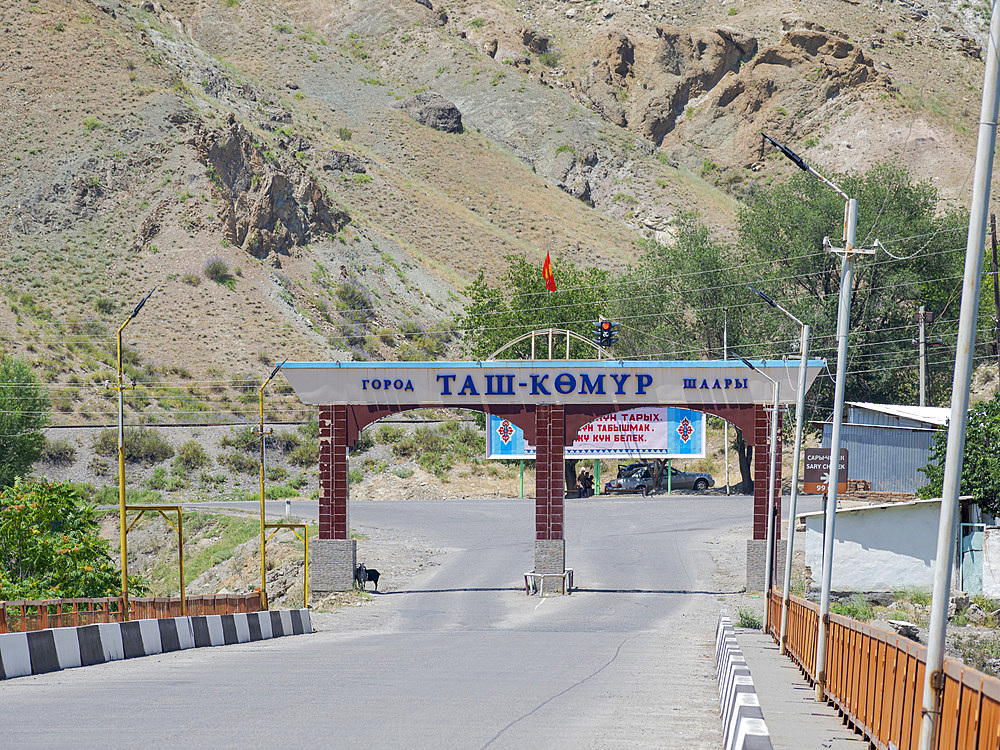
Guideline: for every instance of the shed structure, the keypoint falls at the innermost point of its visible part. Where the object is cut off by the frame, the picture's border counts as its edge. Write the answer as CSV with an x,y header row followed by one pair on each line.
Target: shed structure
x,y
888,444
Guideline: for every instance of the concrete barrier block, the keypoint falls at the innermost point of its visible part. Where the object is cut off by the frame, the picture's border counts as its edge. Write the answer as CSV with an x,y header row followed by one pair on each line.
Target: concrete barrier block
x,y
242,627
14,654
111,640
67,643
216,637
149,630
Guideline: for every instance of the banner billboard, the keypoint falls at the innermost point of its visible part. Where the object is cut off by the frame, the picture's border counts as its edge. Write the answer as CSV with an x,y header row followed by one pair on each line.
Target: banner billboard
x,y
652,432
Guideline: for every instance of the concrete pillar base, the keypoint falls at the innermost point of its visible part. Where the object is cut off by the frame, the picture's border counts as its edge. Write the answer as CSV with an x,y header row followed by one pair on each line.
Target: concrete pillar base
x,y
550,556
757,560
331,565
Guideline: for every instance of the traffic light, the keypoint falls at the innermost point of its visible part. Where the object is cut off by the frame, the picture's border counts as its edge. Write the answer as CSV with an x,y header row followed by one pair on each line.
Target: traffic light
x,y
605,333
611,333
598,337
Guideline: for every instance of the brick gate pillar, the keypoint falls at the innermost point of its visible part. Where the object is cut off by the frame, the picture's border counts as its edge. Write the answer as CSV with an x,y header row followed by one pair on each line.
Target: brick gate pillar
x,y
334,554
757,546
550,489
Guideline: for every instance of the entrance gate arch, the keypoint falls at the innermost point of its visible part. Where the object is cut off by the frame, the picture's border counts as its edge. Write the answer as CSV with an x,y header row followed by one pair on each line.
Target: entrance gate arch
x,y
548,400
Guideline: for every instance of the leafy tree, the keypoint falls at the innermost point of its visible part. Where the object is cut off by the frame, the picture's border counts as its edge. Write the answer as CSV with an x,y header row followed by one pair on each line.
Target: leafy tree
x,y
50,546
675,303
780,240
519,303
980,462
24,411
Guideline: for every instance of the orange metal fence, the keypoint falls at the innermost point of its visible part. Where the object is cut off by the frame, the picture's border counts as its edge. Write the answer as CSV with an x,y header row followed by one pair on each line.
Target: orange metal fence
x,y
876,680
20,616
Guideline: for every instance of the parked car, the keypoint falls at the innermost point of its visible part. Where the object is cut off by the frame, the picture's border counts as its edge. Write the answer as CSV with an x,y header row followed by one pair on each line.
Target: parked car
x,y
639,478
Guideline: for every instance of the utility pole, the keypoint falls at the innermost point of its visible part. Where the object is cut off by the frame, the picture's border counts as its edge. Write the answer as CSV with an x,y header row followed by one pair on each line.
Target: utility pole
x,y
843,324
996,298
923,319
123,530
930,715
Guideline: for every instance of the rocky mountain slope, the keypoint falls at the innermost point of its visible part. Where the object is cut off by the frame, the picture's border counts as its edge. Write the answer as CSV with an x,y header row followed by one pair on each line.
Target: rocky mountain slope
x,y
281,173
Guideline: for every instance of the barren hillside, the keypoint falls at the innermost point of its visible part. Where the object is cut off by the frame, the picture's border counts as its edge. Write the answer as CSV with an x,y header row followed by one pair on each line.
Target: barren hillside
x,y
285,142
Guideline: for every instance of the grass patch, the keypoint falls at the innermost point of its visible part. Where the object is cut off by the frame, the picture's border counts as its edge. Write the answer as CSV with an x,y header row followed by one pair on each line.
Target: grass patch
x,y
857,607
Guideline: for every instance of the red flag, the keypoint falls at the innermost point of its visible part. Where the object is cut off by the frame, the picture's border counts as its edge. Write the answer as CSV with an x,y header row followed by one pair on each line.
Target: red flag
x,y
550,280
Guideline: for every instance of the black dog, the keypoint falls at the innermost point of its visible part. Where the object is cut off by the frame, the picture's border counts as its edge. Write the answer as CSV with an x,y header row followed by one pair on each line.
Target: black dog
x,y
362,575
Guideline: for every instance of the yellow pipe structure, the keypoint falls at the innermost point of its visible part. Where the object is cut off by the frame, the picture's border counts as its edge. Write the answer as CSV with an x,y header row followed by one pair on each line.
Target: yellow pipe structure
x,y
121,460
178,527
263,525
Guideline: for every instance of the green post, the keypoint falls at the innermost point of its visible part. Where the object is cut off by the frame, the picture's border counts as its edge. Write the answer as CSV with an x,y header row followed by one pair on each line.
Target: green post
x,y
669,477
522,478
597,476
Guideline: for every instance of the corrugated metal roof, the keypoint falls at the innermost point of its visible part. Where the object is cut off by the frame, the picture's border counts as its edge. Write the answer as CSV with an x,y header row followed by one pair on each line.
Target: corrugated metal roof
x,y
927,414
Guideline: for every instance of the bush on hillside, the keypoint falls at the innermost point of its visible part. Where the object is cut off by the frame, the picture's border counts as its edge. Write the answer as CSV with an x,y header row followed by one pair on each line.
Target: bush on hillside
x,y
143,445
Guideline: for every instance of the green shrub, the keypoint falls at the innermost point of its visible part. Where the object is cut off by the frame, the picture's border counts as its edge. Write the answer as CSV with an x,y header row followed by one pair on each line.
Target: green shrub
x,y
191,456
403,472
59,452
549,58
143,445
388,434
305,455
354,476
277,473
239,463
285,441
241,439
105,306
158,479
310,430
217,270
747,618
437,448
278,491
52,546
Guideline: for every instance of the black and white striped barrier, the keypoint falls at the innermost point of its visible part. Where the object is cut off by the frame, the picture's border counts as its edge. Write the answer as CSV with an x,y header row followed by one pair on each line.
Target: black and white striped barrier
x,y
743,726
40,651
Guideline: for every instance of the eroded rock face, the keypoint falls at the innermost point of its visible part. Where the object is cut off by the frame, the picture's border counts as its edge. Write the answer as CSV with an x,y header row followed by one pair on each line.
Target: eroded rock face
x,y
646,84
270,209
434,111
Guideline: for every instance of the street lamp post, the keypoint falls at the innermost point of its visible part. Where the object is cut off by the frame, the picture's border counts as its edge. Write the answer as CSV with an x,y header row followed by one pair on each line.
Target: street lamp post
x,y
799,421
121,460
771,502
263,541
843,325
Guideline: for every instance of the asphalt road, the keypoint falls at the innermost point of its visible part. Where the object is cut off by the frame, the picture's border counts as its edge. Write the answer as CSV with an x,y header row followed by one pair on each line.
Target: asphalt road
x,y
458,658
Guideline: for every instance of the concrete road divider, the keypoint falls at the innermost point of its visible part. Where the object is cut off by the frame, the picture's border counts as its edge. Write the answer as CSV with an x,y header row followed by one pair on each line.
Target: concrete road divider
x,y
40,651
743,726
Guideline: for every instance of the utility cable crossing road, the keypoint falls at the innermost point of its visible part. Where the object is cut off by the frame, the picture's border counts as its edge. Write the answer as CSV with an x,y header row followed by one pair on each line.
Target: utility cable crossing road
x,y
458,657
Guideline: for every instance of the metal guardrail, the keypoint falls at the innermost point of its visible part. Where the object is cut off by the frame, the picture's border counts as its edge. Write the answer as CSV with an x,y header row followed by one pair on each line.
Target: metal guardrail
x,y
534,583
25,615
876,680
